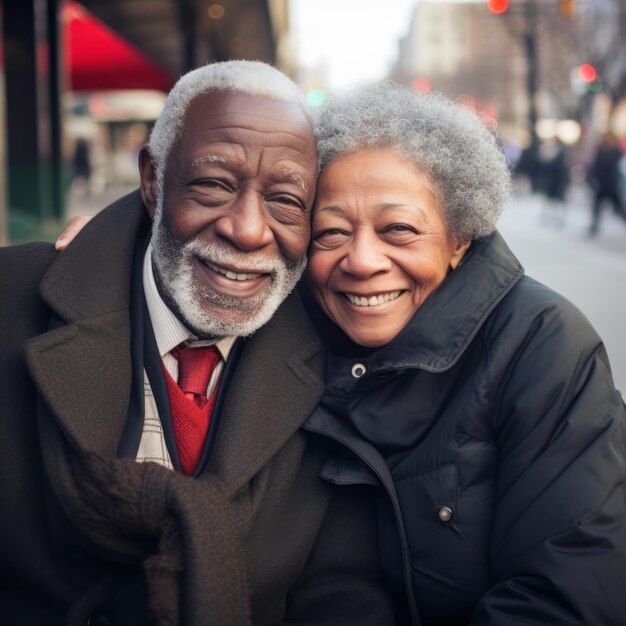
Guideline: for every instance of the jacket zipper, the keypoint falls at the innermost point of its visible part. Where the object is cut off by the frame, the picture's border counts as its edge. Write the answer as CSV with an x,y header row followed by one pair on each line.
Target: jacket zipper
x,y
415,618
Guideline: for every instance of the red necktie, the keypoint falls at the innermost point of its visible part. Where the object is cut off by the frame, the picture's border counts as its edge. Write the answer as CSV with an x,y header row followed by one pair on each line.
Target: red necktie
x,y
190,407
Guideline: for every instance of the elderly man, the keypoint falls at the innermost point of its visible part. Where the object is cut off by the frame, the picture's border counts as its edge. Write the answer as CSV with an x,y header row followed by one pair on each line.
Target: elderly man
x,y
140,343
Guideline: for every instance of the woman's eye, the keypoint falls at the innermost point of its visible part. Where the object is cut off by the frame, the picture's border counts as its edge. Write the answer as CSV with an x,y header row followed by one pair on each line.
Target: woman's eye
x,y
330,238
399,228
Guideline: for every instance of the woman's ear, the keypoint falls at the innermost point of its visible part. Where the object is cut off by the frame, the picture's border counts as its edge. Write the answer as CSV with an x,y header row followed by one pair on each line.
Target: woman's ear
x,y
458,252
147,174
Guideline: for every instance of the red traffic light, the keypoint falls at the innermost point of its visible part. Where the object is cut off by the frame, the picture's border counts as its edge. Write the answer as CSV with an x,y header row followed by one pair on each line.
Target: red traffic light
x,y
497,6
587,72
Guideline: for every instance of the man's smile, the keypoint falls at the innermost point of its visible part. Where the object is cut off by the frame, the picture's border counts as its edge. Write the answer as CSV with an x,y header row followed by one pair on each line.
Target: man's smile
x,y
231,281
232,274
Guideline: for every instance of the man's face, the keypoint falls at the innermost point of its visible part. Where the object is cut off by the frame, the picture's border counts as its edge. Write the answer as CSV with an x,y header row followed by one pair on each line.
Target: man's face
x,y
231,222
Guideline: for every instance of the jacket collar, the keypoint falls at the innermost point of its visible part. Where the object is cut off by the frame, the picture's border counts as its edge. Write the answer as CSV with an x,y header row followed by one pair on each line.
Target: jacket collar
x,y
82,366
449,319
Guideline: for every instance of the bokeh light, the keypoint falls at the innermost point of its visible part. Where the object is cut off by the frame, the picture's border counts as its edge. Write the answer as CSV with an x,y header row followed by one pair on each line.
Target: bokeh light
x,y
216,12
316,97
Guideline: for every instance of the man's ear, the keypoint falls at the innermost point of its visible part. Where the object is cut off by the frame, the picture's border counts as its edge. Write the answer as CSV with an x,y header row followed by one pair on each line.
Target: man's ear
x,y
148,183
460,248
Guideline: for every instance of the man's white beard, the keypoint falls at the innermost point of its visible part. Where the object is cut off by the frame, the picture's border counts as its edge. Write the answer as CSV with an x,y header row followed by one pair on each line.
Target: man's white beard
x,y
233,316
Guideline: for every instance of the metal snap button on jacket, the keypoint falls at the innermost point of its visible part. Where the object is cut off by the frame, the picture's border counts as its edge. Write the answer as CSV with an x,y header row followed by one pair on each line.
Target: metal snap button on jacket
x,y
445,514
358,369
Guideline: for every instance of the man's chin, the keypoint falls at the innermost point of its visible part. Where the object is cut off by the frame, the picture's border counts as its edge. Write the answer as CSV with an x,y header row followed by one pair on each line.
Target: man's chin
x,y
227,319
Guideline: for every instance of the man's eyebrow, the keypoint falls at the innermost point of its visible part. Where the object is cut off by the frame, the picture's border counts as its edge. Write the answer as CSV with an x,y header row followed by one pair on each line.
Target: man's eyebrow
x,y
209,158
292,177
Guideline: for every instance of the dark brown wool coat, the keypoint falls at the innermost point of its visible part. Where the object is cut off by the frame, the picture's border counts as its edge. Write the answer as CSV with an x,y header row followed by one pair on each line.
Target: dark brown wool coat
x,y
261,538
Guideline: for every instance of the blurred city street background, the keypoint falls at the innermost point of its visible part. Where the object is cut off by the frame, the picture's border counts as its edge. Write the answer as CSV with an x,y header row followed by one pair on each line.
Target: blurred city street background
x,y
82,82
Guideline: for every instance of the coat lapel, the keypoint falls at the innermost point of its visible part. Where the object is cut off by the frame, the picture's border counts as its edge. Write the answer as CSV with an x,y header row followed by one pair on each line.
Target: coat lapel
x,y
82,368
277,384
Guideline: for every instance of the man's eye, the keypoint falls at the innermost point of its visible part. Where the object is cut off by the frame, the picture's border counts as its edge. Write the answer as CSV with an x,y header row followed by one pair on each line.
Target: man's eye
x,y
212,183
287,200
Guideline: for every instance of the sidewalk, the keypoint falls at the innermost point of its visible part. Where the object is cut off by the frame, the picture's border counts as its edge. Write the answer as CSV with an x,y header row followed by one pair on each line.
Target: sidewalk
x,y
570,222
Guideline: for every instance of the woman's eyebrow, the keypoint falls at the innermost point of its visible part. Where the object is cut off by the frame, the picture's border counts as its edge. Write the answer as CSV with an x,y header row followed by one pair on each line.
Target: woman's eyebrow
x,y
333,208
388,206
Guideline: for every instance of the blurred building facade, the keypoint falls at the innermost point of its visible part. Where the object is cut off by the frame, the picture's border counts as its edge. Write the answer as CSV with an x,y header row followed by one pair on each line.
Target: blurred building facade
x,y
520,66
60,87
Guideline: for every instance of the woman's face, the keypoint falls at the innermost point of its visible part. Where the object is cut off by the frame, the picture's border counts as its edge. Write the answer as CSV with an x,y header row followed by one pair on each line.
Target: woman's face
x,y
379,244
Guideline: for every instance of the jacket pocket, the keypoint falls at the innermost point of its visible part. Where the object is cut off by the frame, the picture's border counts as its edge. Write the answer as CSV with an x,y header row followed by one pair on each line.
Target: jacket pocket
x,y
428,502
449,558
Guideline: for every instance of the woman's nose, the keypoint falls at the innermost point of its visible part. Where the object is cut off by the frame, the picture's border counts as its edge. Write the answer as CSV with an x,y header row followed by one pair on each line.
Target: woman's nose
x,y
245,224
365,257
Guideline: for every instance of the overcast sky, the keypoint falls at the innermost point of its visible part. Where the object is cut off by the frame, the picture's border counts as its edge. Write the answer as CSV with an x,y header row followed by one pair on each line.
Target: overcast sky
x,y
356,38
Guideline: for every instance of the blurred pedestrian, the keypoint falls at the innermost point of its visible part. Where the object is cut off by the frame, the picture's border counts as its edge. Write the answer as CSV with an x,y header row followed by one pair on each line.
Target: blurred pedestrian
x,y
553,178
528,165
604,178
81,164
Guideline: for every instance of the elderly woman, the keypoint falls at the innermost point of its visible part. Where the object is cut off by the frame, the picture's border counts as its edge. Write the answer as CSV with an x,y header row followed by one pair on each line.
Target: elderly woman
x,y
479,402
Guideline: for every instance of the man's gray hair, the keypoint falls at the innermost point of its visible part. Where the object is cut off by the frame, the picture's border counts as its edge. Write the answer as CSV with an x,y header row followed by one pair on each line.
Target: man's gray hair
x,y
249,77
451,145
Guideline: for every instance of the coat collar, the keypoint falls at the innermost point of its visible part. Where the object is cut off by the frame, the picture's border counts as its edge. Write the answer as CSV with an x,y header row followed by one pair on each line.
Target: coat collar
x,y
278,382
450,318
82,367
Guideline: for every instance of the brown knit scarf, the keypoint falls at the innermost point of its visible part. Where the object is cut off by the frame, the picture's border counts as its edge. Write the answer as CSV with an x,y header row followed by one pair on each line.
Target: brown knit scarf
x,y
197,577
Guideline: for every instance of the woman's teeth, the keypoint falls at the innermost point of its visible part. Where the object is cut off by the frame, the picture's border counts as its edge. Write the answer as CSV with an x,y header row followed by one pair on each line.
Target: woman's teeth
x,y
373,300
231,275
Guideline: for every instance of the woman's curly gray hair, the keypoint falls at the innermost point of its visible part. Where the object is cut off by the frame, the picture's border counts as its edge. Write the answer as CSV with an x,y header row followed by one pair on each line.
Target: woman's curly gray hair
x,y
450,144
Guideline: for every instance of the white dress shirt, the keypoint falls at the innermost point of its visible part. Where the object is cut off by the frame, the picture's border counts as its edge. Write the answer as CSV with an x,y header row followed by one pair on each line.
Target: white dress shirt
x,y
169,333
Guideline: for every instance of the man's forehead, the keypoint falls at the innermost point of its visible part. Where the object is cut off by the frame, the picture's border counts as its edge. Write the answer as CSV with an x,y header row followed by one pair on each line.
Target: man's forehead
x,y
248,110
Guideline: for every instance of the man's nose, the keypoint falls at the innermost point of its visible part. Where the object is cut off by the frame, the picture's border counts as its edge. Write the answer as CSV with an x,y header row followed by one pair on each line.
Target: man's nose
x,y
245,224
365,257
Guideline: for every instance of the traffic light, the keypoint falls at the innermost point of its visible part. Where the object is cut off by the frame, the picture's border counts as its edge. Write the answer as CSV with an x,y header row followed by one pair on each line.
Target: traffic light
x,y
587,72
498,6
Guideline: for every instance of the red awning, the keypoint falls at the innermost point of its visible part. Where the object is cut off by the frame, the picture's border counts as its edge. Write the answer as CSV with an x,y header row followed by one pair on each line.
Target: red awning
x,y
98,59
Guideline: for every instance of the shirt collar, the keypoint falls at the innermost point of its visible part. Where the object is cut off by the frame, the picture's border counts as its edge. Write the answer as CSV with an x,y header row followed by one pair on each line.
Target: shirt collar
x,y
169,331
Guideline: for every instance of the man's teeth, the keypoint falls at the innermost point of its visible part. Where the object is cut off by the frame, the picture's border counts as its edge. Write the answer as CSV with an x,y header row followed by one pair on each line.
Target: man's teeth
x,y
373,300
231,275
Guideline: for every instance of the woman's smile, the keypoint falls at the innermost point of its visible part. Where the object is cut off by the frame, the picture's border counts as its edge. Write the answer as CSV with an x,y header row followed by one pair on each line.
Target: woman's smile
x,y
372,300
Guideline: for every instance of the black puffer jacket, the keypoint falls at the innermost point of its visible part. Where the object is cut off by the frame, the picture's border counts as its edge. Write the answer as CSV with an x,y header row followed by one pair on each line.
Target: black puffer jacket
x,y
493,424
